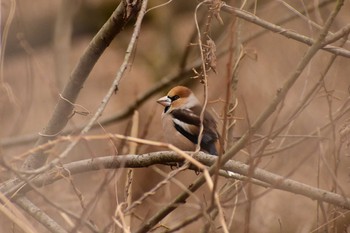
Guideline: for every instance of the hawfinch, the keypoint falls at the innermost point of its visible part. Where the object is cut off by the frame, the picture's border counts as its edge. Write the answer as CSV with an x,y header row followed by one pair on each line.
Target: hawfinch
x,y
181,121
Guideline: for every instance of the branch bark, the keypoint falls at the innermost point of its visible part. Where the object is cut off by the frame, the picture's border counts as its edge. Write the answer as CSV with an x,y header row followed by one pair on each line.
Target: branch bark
x,y
168,157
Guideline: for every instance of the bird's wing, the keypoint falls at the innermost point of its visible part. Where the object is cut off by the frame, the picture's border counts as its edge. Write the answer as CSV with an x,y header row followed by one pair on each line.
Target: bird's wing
x,y
187,122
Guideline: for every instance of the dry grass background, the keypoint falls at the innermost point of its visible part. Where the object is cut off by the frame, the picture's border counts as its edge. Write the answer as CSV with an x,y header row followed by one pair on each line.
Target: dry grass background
x,y
163,38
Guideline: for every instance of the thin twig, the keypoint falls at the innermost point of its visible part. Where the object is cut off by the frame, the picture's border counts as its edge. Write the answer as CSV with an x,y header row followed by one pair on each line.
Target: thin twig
x,y
146,195
207,57
306,100
282,31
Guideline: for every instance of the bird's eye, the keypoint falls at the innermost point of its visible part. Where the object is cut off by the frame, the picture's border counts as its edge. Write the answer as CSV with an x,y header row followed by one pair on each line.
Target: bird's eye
x,y
175,97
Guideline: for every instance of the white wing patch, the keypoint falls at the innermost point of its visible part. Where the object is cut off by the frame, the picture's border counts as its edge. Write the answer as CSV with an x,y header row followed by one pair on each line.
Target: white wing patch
x,y
192,129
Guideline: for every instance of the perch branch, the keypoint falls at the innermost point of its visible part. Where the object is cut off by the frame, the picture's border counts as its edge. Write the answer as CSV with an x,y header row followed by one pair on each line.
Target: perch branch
x,y
169,157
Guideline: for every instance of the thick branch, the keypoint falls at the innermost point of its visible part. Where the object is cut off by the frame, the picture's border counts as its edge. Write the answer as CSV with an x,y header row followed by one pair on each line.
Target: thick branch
x,y
168,157
39,215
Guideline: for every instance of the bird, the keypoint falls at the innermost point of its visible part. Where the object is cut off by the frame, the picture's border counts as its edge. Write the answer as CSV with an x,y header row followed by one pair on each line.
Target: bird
x,y
181,122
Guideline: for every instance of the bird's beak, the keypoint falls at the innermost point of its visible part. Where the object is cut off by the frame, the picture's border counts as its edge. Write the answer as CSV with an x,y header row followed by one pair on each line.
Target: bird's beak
x,y
165,101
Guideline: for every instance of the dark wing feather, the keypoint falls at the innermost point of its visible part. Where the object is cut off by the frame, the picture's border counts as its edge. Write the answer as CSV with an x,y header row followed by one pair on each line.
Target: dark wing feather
x,y
190,118
186,116
187,123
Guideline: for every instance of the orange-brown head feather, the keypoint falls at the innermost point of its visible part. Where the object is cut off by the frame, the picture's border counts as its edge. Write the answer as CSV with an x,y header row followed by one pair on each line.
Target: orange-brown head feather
x,y
182,97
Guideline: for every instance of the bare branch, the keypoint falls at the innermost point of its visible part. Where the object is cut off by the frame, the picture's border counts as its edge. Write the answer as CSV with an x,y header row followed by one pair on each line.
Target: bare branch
x,y
39,215
288,33
168,157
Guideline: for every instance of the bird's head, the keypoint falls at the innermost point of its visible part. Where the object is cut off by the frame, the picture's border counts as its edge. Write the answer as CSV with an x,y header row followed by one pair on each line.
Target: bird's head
x,y
179,97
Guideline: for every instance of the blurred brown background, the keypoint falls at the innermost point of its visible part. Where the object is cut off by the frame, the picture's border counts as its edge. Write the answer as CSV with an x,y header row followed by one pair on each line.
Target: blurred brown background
x,y
36,69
